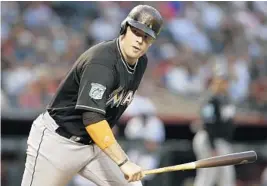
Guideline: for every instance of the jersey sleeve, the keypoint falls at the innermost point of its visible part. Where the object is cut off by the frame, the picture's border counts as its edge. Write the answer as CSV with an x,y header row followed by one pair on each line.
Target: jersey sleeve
x,y
95,86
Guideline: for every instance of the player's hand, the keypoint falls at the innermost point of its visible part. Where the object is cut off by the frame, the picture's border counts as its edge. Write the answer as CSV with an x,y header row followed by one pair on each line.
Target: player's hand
x,y
132,172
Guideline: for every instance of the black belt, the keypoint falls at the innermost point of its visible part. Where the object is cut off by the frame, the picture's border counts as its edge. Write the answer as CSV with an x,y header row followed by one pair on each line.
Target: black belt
x,y
83,140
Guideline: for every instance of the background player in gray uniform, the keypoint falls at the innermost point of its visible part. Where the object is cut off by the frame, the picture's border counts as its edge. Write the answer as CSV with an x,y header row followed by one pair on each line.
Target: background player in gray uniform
x,y
214,136
74,135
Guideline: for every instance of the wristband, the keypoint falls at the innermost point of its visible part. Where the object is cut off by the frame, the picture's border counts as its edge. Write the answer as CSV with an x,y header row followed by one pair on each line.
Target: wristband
x,y
122,163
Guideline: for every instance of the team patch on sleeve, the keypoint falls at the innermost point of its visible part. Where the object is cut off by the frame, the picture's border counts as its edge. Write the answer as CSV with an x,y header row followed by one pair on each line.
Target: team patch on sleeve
x,y
97,91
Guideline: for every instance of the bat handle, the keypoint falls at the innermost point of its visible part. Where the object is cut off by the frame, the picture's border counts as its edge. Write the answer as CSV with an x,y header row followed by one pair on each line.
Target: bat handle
x,y
152,171
185,166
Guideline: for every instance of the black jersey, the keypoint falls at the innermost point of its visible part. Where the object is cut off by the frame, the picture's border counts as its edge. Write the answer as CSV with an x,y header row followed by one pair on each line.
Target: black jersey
x,y
217,115
100,81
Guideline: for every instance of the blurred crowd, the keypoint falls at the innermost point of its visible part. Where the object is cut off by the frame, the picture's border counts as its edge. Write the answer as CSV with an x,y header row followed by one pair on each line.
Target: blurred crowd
x,y
41,40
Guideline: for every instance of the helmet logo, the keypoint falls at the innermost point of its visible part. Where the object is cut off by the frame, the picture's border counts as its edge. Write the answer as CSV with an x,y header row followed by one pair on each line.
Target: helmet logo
x,y
146,19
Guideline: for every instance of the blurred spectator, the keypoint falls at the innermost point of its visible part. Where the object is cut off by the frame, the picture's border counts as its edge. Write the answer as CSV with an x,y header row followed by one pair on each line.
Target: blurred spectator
x,y
185,32
39,15
106,27
214,135
239,87
31,97
15,80
212,16
144,126
177,78
184,76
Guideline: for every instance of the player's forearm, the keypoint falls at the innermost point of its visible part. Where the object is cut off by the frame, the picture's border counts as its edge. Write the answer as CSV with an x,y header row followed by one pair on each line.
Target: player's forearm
x,y
116,153
102,135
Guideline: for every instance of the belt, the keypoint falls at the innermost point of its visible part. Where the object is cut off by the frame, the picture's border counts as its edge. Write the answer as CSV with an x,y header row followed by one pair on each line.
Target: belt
x,y
83,140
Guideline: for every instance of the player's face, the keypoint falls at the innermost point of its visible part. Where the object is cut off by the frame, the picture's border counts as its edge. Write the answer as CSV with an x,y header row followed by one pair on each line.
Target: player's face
x,y
136,42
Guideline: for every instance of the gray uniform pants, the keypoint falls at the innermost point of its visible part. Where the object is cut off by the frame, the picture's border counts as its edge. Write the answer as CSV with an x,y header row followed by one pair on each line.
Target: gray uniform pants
x,y
210,176
53,160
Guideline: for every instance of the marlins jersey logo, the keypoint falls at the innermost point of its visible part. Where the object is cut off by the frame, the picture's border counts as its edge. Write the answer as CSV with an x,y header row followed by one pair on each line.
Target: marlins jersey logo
x,y
120,97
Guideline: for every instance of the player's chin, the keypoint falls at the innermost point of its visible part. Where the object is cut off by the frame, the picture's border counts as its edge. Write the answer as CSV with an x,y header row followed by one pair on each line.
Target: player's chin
x,y
137,55
134,55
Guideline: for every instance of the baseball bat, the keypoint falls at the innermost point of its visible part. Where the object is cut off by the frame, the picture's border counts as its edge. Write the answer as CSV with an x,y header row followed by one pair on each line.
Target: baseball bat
x,y
216,161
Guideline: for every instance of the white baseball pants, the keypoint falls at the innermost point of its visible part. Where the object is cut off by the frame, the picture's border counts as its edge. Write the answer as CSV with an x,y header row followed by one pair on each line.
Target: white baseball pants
x,y
53,160
210,176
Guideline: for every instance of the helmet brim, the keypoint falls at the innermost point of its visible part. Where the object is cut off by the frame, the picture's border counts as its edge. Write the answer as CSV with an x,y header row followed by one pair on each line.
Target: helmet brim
x,y
142,27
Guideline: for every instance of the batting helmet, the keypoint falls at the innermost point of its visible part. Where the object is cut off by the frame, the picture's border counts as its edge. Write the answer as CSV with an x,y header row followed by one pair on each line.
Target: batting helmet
x,y
145,18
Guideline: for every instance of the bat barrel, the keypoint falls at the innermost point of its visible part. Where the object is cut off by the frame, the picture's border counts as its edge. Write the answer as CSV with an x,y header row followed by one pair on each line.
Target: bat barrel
x,y
229,159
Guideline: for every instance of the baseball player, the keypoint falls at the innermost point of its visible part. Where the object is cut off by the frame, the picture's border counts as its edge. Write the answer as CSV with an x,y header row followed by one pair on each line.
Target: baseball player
x,y
74,134
213,138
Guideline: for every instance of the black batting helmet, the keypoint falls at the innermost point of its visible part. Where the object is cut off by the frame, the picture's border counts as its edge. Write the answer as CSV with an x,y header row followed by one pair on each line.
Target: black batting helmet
x,y
145,18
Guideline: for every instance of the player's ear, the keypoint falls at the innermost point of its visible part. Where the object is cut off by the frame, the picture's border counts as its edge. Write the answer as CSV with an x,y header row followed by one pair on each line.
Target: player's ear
x,y
123,27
